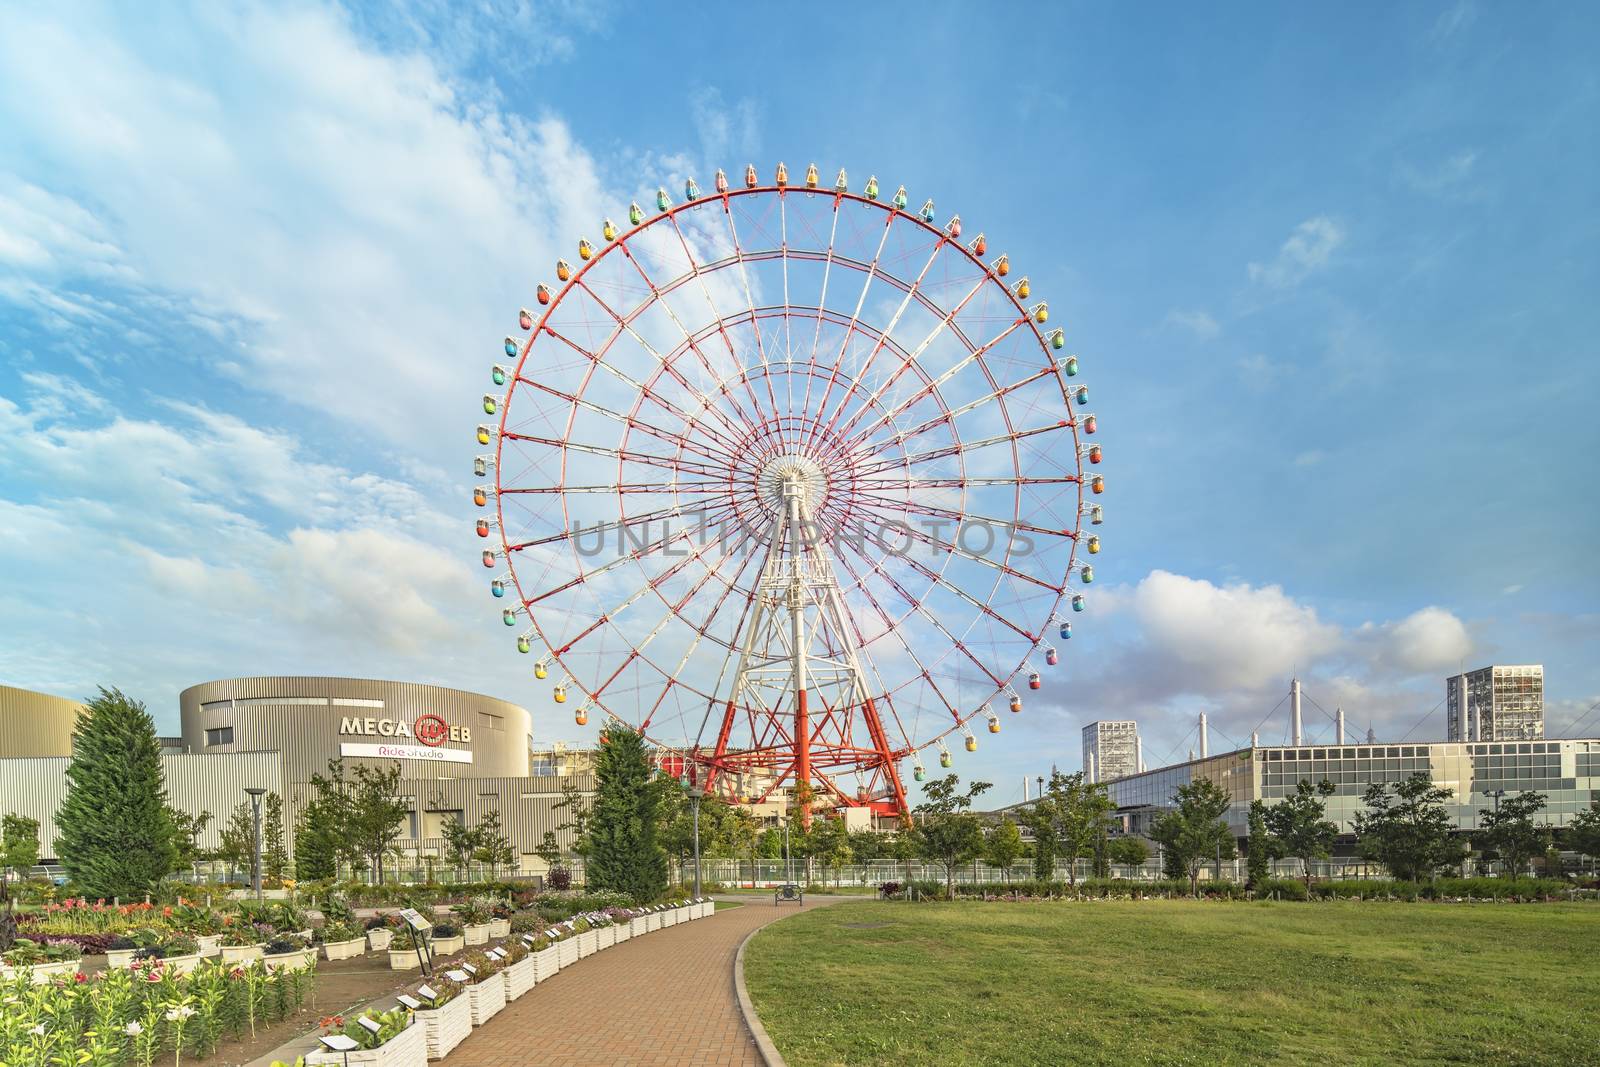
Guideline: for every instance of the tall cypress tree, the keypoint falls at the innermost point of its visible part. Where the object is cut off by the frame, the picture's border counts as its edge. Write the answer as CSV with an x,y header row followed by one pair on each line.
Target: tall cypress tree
x,y
622,850
114,833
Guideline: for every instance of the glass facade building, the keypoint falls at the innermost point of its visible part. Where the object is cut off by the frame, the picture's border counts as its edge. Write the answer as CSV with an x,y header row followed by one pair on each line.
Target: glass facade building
x,y
1111,749
1566,772
1497,703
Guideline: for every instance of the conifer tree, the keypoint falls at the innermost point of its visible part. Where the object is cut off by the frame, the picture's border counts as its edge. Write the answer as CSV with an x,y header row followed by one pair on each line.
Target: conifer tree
x,y
274,854
114,832
621,845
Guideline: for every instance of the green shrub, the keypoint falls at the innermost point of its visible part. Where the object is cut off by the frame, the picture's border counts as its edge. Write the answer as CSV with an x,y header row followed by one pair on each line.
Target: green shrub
x,y
1282,889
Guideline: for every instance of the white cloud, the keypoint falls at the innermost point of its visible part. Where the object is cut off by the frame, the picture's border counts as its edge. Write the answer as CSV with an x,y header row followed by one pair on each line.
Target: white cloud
x,y
1454,20
1257,372
1427,641
1199,323
1306,251
728,133
1227,637
358,223
1311,458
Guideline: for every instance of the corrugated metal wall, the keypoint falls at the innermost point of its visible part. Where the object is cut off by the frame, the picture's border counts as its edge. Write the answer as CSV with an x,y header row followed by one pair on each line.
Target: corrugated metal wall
x,y
36,788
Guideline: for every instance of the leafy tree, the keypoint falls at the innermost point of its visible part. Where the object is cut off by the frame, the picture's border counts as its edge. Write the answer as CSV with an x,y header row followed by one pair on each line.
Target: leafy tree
x,y
1299,823
1511,831
1073,816
947,830
769,845
1583,834
186,836
742,833
622,849
1003,846
1407,829
274,853
19,844
1040,820
236,842
902,846
549,850
1128,851
114,835
1195,831
376,815
866,846
462,840
830,844
494,847
1262,848
316,837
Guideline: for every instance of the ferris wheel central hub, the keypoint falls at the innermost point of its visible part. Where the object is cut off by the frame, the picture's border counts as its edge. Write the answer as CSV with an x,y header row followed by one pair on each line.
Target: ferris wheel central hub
x,y
785,476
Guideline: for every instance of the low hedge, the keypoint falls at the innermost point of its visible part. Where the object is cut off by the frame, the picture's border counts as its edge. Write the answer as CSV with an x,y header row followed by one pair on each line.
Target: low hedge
x,y
1294,889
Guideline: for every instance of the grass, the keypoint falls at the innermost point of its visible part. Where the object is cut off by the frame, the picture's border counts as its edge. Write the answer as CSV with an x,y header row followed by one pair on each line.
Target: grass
x,y
1180,982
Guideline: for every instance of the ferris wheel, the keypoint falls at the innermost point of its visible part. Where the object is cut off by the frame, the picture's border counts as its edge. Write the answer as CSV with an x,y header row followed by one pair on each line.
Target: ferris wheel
x,y
793,480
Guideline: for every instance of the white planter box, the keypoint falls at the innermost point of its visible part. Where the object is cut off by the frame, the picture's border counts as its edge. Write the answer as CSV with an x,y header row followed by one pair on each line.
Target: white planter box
x,y
119,957
546,962
707,908
298,960
588,943
379,939
242,953
683,914
519,977
403,959
447,1027
669,917
623,930
639,924
184,964
476,935
210,945
487,998
499,928
652,920
408,1048
446,946
568,951
344,950
607,936
42,973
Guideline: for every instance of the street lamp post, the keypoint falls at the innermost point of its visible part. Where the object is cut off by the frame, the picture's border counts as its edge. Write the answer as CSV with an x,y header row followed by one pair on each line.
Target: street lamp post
x,y
692,789
256,793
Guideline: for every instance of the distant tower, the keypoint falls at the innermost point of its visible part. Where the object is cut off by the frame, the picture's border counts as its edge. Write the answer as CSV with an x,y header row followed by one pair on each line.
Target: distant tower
x,y
1338,725
1372,736
1296,731
1205,741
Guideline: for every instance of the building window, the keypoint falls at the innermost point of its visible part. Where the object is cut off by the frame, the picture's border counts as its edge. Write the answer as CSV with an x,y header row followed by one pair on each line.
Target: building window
x,y
492,722
220,735
356,702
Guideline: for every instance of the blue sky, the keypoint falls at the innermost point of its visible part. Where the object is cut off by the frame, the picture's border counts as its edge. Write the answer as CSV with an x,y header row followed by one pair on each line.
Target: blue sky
x,y
1332,271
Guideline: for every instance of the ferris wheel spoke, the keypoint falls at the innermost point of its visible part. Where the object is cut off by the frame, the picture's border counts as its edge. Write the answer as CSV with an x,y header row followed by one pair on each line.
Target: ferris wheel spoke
x,y
626,487
916,605
870,274
963,447
681,440
716,316
600,528
911,358
624,454
618,373
745,418
822,303
749,296
933,510
931,388
932,540
642,552
883,335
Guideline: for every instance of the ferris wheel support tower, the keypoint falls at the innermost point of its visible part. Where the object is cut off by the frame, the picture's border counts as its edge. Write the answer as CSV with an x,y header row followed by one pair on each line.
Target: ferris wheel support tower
x,y
798,643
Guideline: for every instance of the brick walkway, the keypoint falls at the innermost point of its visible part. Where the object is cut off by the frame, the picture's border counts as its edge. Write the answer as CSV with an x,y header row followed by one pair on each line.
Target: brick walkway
x,y
661,1000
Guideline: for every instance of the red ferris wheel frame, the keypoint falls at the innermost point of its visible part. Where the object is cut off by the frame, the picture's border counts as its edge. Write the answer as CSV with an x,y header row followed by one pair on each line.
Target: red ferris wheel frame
x,y
815,741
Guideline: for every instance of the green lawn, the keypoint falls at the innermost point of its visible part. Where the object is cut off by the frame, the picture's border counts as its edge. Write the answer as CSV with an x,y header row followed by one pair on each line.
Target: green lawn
x,y
1181,982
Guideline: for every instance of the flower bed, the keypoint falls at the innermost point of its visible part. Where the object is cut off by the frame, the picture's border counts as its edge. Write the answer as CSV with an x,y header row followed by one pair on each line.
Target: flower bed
x,y
407,1047
446,1024
148,1010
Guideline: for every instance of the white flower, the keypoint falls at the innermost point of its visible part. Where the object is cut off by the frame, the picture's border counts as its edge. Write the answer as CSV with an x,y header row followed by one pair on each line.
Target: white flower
x,y
182,1011
37,1031
133,1029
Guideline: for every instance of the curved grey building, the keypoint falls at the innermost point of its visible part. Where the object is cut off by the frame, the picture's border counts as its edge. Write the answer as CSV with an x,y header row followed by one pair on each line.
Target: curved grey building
x,y
433,732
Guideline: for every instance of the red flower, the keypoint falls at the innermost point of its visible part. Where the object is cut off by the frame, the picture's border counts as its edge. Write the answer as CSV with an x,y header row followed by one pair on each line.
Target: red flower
x,y
80,978
166,913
